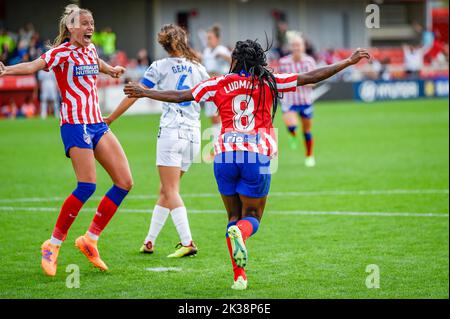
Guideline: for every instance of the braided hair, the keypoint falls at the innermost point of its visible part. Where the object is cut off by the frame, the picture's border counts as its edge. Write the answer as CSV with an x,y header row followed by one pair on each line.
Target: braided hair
x,y
250,57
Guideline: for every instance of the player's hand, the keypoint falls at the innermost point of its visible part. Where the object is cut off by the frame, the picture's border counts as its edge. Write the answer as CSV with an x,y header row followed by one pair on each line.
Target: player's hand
x,y
134,90
117,71
358,55
2,69
107,120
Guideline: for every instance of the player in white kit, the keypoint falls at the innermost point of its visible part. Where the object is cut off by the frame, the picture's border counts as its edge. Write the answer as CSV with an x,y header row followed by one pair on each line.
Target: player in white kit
x,y
217,59
49,92
178,137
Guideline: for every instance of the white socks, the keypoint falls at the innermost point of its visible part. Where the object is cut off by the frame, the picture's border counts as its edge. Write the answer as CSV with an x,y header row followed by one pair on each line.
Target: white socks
x,y
92,235
55,241
180,219
159,218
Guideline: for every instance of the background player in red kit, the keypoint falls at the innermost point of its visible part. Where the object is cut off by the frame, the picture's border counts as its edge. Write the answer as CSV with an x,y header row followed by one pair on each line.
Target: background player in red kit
x,y
247,101
74,60
299,103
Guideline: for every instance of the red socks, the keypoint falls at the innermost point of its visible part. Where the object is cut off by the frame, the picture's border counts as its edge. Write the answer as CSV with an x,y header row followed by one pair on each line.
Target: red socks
x,y
236,270
72,206
69,211
309,147
246,228
105,211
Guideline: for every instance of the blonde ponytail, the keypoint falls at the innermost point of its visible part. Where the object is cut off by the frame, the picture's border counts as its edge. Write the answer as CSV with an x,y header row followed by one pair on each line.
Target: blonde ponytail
x,y
67,18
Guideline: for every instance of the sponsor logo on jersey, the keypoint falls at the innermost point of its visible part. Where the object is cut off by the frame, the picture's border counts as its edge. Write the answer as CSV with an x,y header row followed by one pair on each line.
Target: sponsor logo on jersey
x,y
84,70
236,137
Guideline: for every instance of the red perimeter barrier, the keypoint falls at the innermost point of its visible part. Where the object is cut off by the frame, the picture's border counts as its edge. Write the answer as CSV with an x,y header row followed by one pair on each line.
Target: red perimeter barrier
x,y
18,88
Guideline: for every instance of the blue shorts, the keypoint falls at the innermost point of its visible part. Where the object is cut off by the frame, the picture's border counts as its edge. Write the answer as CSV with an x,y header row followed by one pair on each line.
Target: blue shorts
x,y
244,173
82,135
304,111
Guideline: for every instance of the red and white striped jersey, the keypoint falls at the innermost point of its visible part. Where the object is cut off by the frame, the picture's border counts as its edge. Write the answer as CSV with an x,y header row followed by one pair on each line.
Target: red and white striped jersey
x,y
303,95
76,70
246,123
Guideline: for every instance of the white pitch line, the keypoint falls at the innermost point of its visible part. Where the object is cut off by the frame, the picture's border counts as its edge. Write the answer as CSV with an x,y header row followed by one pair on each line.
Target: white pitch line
x,y
218,211
272,194
164,269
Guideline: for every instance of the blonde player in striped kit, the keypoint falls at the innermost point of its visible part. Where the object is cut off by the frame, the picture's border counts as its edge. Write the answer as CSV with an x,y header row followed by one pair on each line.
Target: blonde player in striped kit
x,y
86,137
299,103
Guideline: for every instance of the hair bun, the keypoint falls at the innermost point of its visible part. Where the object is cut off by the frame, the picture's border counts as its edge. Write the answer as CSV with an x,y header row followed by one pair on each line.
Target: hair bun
x,y
71,8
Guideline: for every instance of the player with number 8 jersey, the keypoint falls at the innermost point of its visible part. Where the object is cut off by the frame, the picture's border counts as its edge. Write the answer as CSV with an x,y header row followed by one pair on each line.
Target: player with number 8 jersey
x,y
247,102
247,116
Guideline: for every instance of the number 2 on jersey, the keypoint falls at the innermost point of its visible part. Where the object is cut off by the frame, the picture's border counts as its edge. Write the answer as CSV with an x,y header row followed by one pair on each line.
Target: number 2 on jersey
x,y
243,108
181,87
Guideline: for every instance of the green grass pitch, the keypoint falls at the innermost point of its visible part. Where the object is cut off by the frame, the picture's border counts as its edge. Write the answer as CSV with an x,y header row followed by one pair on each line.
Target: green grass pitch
x,y
389,159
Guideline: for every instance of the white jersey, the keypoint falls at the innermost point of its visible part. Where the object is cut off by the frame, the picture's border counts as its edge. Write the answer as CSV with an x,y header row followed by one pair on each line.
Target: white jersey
x,y
48,85
215,64
176,74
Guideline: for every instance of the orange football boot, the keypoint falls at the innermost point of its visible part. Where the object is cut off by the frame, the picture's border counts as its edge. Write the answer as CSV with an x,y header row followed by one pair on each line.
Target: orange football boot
x,y
88,247
49,258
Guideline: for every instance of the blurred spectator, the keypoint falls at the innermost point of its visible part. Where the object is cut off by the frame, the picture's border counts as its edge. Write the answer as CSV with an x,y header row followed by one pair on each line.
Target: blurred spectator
x,y
282,45
49,93
216,57
28,109
7,45
9,110
372,70
36,47
330,56
377,70
136,67
109,41
26,34
133,72
143,59
384,72
309,48
414,62
424,35
105,42
24,47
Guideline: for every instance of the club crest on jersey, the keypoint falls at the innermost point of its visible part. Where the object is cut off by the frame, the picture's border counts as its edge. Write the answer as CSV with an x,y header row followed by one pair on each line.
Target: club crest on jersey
x,y
83,70
87,138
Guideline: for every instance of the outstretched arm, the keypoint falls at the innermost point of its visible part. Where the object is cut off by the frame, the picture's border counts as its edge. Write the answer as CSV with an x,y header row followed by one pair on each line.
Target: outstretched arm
x,y
323,73
134,90
23,68
113,71
122,108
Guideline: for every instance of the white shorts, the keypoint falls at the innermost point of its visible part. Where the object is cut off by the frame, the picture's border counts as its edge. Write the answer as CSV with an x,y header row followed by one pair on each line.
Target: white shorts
x,y
211,109
177,147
